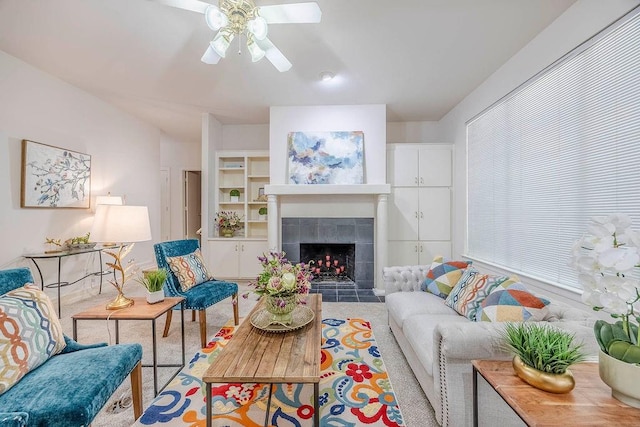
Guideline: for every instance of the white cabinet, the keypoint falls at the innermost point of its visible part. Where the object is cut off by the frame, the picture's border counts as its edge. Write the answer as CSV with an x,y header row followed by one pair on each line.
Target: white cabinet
x,y
413,166
420,203
235,258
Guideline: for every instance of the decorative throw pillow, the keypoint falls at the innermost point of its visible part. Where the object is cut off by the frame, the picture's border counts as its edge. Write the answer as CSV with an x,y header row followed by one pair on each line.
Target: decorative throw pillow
x,y
472,289
189,269
443,276
30,333
512,303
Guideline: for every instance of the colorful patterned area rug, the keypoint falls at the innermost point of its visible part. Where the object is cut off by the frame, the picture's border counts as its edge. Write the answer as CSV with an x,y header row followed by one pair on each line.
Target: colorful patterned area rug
x,y
354,388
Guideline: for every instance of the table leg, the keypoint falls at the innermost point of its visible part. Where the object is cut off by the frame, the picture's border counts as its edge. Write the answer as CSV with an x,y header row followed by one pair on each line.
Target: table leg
x,y
208,406
59,278
182,331
316,404
155,358
101,271
268,408
117,332
75,329
475,397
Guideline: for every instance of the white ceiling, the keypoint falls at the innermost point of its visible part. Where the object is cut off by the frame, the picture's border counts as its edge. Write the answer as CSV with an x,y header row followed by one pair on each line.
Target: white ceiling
x,y
419,57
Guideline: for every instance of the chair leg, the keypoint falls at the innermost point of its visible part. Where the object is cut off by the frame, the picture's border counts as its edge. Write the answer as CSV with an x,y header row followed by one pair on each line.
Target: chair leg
x,y
167,323
234,301
203,328
136,390
193,315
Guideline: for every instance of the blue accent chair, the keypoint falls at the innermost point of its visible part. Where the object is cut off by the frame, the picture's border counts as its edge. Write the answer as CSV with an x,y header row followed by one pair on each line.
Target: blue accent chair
x,y
199,297
70,388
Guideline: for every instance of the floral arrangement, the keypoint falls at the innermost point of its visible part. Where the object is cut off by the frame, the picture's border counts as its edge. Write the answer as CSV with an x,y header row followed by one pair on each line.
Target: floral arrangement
x,y
280,278
605,259
229,220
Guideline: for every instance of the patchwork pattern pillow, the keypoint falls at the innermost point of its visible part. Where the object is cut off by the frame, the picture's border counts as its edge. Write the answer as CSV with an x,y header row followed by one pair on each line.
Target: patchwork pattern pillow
x,y
443,276
472,289
189,269
30,333
512,303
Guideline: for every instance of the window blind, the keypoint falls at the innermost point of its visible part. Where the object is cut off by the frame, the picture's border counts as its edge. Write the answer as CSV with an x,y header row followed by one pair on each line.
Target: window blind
x,y
563,147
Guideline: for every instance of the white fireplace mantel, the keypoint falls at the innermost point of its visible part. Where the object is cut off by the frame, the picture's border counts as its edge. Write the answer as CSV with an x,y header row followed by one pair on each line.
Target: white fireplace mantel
x,y
380,193
333,189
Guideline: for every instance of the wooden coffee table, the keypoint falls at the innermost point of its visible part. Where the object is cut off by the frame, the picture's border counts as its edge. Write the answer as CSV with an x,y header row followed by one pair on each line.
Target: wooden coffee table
x,y
255,356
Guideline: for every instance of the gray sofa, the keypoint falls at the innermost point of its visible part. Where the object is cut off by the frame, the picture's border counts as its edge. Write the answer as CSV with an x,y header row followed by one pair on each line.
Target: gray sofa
x,y
439,345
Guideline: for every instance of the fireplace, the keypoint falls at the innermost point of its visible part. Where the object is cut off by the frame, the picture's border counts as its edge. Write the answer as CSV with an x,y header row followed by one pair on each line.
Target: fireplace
x,y
349,241
330,262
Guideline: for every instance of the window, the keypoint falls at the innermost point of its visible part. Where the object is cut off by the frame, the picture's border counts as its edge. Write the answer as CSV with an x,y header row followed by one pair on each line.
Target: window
x,y
561,148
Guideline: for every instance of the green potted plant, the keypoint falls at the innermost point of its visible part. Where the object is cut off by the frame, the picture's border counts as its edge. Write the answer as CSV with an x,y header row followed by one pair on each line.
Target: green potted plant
x,y
234,195
154,280
605,259
263,213
543,355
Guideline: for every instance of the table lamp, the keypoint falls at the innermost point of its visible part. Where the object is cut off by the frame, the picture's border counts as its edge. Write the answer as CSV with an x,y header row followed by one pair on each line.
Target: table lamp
x,y
126,225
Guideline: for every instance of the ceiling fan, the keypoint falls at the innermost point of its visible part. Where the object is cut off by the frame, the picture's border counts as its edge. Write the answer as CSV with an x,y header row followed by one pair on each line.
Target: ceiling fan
x,y
237,18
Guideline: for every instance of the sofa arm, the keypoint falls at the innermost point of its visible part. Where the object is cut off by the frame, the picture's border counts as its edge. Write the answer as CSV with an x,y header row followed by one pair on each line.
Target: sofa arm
x,y
75,346
404,278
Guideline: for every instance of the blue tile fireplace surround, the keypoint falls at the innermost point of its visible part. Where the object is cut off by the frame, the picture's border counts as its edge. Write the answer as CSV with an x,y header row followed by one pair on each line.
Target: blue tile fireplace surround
x,y
356,231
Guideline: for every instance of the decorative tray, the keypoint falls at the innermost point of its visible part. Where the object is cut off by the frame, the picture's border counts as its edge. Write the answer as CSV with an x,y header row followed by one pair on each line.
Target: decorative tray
x,y
302,315
79,246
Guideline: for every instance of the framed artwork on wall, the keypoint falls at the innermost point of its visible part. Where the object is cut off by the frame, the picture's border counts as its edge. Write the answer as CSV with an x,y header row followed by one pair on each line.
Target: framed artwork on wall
x,y
326,157
54,177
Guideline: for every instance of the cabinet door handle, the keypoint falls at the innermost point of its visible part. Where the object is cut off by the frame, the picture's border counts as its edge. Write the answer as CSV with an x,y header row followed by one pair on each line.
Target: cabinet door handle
x,y
236,247
421,248
421,180
421,214
415,248
416,179
416,214
242,248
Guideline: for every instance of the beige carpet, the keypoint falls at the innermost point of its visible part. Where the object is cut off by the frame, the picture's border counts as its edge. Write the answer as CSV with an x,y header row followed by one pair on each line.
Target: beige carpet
x,y
118,412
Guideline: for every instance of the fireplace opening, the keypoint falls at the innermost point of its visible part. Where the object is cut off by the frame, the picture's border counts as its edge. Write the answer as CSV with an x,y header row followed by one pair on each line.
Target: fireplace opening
x,y
330,262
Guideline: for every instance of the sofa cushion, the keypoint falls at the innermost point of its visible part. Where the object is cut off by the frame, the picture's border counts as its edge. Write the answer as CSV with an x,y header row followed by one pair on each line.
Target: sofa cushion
x,y
443,276
418,330
71,388
472,289
30,333
189,269
512,303
402,305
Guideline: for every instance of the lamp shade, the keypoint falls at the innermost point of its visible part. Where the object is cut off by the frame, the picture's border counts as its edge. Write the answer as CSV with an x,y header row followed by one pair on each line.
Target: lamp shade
x,y
121,223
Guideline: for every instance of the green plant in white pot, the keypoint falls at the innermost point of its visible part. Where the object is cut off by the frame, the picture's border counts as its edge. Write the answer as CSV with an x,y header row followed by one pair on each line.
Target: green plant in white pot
x,y
234,195
154,280
543,355
262,212
605,259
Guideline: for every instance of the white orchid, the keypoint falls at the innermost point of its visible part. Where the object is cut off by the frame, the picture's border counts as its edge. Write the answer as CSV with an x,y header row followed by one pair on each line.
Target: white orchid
x,y
605,259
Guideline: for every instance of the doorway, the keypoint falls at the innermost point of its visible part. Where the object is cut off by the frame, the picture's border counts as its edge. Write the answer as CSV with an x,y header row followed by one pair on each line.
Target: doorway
x,y
192,204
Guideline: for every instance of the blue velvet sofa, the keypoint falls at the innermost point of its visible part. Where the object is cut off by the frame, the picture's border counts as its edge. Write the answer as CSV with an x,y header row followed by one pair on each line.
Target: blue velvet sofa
x,y
70,388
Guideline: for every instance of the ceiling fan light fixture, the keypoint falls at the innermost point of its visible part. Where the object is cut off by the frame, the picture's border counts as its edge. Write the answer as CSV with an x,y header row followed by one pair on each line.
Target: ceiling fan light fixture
x,y
258,27
210,56
215,18
256,53
220,43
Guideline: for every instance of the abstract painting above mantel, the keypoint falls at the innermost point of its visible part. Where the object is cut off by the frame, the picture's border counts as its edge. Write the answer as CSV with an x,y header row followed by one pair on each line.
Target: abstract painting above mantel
x,y
54,177
326,157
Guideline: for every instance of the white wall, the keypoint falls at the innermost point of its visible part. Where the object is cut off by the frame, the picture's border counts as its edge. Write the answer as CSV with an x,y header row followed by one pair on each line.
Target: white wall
x,y
414,132
245,137
125,159
177,157
581,21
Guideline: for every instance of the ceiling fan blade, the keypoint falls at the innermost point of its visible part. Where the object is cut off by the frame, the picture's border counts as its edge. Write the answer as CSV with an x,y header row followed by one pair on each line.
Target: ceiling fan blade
x,y
210,56
274,55
192,5
297,13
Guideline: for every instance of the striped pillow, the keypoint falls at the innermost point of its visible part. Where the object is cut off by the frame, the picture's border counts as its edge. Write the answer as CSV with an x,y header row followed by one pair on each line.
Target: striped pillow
x,y
30,333
189,269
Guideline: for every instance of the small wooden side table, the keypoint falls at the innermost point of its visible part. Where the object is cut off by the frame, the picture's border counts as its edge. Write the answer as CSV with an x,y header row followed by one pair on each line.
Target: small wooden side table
x,y
588,404
140,310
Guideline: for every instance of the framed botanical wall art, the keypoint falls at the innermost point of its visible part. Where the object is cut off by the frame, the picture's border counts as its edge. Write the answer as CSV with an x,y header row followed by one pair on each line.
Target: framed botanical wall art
x,y
326,157
54,177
